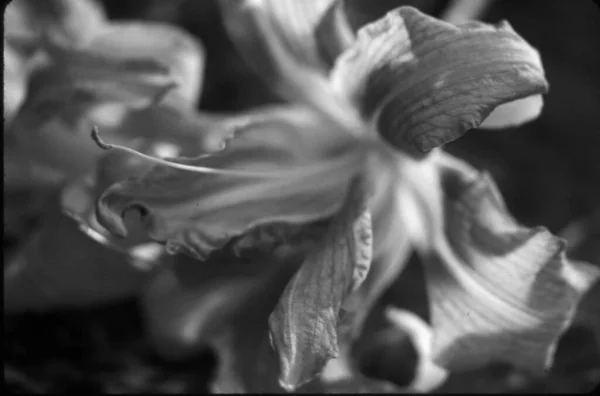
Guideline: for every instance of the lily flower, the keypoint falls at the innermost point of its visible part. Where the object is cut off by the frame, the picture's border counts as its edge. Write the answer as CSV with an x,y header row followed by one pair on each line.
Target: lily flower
x,y
360,146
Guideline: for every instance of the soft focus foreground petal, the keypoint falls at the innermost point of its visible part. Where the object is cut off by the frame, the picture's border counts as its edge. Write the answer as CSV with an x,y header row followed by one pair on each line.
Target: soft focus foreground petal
x,y
62,265
283,165
168,45
249,363
291,44
462,11
425,82
499,291
429,376
224,304
28,22
304,324
77,79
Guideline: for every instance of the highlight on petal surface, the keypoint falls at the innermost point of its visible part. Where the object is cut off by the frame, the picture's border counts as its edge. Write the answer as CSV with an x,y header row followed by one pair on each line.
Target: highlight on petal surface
x,y
304,325
514,113
312,33
282,166
75,80
499,291
425,82
15,85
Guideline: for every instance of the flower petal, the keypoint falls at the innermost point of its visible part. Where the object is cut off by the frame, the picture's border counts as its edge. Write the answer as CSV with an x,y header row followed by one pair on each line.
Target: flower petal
x,y
514,113
292,44
62,266
391,249
425,82
168,45
304,324
499,291
272,33
280,167
186,130
28,22
78,79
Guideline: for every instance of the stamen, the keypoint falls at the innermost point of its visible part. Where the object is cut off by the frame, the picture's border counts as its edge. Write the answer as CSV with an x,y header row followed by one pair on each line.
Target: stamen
x,y
176,165
344,161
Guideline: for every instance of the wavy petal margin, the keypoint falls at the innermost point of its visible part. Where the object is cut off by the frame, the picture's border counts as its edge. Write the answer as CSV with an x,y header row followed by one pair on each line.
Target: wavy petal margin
x,y
499,291
425,82
304,325
282,166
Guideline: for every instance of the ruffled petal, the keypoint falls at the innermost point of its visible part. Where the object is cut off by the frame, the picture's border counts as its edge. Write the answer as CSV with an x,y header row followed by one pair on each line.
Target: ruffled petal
x,y
284,165
425,82
304,324
499,291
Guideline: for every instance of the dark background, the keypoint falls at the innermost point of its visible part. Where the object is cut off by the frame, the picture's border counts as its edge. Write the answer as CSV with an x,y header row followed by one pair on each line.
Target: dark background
x,y
548,172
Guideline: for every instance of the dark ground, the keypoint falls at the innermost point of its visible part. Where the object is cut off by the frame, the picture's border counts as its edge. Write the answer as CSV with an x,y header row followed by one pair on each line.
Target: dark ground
x,y
548,171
